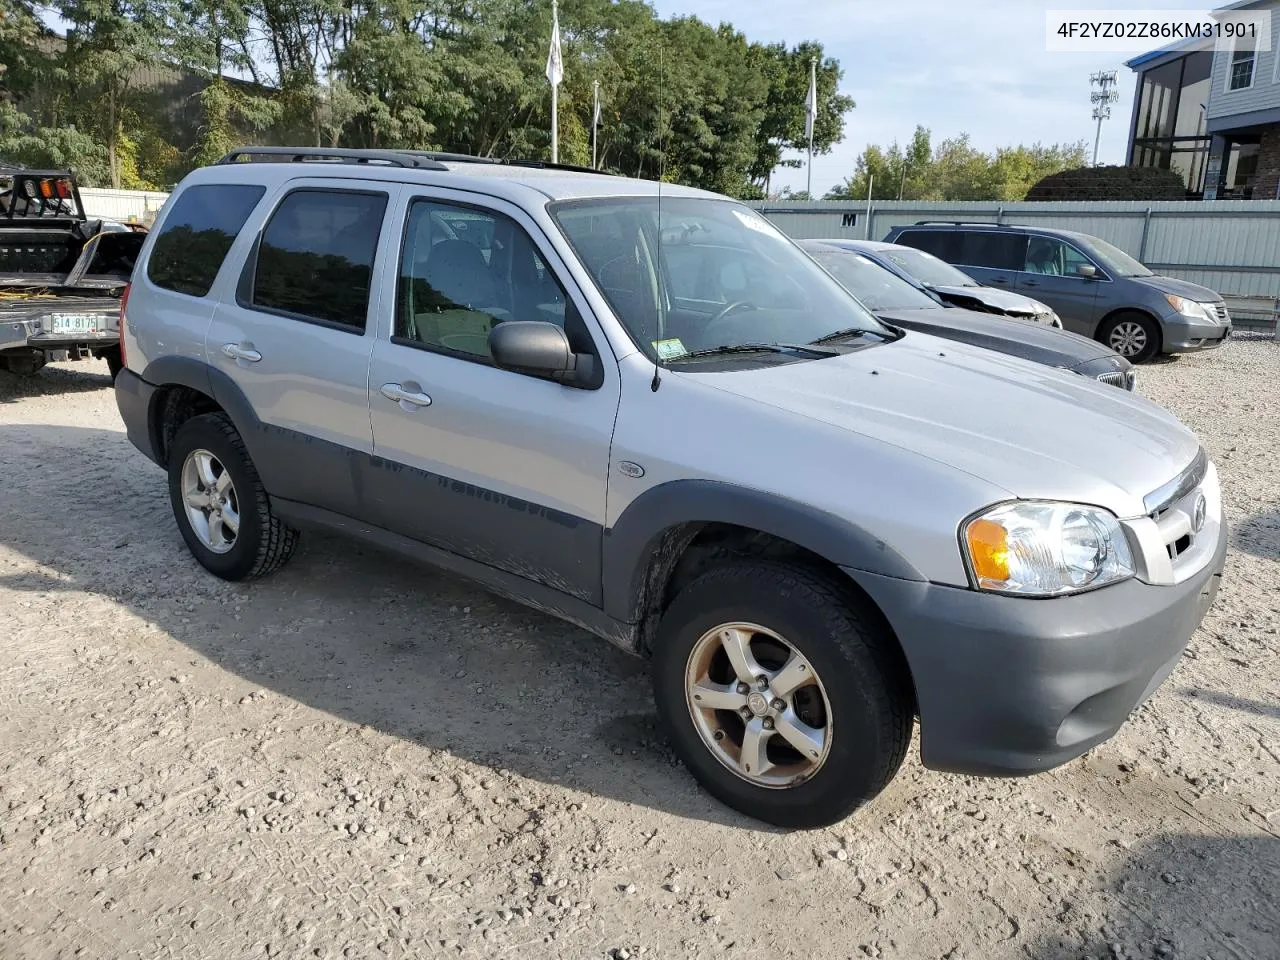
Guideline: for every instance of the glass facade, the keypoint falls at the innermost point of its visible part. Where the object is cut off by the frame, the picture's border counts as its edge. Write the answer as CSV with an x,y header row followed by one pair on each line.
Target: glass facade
x,y
1170,131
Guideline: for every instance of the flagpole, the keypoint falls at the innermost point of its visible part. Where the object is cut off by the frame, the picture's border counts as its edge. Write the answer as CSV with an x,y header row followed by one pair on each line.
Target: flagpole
x,y
595,119
555,89
813,85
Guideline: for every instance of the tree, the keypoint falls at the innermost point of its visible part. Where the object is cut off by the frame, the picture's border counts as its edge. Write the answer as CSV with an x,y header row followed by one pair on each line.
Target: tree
x,y
954,170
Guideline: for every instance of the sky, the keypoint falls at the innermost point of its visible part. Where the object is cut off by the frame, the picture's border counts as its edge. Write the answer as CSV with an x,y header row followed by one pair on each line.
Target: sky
x,y
953,66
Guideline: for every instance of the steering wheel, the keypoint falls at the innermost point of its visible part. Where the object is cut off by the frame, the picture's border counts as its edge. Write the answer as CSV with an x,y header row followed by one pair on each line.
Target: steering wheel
x,y
720,317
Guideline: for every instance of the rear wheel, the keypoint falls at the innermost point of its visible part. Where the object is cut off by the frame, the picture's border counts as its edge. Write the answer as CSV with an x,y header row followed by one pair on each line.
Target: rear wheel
x,y
1134,336
786,700
221,507
22,363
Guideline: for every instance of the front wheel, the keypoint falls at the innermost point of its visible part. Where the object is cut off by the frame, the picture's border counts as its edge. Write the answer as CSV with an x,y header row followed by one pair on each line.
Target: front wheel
x,y
1132,335
222,509
785,699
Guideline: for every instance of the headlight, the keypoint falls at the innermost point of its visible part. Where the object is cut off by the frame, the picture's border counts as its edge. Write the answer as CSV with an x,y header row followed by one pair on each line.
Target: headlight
x,y
1189,308
1043,549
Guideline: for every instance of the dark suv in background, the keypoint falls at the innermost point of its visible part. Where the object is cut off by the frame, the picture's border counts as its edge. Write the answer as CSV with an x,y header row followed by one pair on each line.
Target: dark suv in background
x,y
1096,288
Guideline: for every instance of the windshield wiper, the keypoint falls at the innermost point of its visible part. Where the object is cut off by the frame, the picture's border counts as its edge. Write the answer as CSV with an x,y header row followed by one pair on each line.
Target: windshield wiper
x,y
730,348
851,332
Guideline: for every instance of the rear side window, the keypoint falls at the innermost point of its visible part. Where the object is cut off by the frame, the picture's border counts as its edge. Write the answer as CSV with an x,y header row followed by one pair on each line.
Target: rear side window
x,y
197,233
315,259
943,244
995,251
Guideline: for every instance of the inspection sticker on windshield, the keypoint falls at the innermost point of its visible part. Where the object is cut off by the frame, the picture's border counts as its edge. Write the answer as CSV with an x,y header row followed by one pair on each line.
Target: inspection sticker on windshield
x,y
669,349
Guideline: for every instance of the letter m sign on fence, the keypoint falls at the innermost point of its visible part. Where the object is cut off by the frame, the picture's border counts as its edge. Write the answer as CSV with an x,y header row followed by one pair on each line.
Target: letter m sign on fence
x,y
849,220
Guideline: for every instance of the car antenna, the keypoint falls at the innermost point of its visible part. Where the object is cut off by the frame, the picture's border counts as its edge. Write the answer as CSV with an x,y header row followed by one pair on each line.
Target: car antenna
x,y
659,305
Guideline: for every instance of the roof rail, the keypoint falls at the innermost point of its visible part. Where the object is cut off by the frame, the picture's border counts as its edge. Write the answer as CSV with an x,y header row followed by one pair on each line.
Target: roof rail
x,y
501,161
959,223
392,158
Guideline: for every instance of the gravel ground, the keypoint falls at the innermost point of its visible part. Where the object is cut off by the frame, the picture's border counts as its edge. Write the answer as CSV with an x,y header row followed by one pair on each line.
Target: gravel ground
x,y
358,758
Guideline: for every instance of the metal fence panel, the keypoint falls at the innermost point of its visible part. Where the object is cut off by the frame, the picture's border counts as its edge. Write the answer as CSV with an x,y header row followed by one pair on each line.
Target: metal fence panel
x,y
1231,246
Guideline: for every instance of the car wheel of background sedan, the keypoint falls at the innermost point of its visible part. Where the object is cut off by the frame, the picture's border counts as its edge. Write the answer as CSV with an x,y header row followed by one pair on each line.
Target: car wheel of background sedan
x,y
221,507
1134,336
784,698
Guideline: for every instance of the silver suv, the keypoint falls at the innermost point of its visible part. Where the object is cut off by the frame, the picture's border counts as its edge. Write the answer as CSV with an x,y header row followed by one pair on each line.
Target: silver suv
x,y
555,383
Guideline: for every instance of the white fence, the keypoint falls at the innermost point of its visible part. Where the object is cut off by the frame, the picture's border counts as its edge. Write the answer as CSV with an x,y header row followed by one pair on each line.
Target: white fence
x,y
1229,246
138,206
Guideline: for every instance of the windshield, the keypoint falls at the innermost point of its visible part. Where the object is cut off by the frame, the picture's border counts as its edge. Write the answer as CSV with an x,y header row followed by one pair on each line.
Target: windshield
x,y
928,269
704,274
876,287
1117,262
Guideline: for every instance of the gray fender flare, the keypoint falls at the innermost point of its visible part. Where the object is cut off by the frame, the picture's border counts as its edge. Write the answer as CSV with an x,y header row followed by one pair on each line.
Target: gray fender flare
x,y
640,531
198,375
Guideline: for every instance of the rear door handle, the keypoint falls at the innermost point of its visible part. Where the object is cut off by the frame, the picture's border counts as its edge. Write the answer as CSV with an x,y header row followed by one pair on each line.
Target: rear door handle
x,y
999,279
237,352
408,399
1031,283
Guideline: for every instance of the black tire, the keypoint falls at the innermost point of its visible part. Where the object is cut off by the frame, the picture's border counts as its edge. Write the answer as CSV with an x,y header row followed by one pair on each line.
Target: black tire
x,y
263,542
856,658
23,363
1150,331
114,362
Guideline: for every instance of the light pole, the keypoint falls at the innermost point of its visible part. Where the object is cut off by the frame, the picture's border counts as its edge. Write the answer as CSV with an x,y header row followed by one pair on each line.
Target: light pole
x,y
1102,97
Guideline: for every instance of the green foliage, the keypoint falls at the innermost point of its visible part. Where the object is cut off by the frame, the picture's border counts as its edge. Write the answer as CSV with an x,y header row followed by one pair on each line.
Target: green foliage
x,y
954,170
682,100
1111,183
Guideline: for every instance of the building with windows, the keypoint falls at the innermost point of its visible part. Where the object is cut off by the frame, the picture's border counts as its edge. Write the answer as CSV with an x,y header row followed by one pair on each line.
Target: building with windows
x,y
1212,114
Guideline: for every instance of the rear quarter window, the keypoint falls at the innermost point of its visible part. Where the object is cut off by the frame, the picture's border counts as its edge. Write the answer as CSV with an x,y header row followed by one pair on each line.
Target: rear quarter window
x,y
943,244
995,251
197,233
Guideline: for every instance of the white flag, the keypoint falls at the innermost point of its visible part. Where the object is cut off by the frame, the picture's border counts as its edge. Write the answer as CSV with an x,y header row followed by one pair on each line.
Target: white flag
x,y
595,113
555,65
811,104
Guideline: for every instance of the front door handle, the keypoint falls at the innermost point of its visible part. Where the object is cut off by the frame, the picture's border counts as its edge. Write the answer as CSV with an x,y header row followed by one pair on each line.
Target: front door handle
x,y
1000,280
237,352
1031,283
407,398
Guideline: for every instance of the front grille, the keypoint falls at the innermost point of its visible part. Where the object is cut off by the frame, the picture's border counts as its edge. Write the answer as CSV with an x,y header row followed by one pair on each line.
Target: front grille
x,y
1124,380
1220,310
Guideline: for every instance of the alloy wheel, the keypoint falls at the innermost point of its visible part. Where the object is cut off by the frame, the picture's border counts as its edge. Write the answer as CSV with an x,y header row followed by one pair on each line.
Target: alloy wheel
x,y
758,705
1128,338
209,496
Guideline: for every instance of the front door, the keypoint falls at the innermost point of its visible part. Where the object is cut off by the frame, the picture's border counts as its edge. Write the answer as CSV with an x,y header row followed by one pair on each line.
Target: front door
x,y
296,338
1050,276
502,468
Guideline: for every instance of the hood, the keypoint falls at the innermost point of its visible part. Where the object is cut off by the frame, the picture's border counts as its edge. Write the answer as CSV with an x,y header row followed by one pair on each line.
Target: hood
x,y
1179,288
1038,342
1035,432
1004,301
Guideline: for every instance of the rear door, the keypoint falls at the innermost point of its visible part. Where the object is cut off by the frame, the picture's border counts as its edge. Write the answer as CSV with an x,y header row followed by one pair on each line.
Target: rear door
x,y
991,257
1050,275
502,468
297,335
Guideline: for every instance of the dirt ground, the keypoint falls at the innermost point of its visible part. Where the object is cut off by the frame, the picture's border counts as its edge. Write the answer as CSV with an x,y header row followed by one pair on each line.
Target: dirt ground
x,y
360,758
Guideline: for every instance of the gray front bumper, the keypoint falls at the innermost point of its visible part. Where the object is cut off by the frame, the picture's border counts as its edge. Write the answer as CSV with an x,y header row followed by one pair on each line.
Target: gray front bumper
x,y
1009,686
1180,335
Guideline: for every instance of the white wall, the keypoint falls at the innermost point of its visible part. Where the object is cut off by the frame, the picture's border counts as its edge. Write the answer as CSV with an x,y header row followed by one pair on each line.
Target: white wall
x,y
140,206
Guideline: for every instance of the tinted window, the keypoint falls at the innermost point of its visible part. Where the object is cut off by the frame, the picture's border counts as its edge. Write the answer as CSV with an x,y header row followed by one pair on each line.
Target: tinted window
x,y
316,256
197,233
995,251
464,271
943,244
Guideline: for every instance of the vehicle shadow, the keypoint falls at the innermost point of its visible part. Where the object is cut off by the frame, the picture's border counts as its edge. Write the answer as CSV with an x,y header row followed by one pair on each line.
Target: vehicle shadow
x,y
1258,535
1176,896
359,635
85,376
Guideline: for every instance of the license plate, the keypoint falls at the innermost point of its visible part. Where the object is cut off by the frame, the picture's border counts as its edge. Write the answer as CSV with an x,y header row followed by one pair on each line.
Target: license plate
x,y
77,323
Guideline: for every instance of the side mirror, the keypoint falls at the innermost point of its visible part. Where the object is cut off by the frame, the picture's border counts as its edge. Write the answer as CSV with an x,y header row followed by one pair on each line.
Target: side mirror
x,y
539,349
1086,270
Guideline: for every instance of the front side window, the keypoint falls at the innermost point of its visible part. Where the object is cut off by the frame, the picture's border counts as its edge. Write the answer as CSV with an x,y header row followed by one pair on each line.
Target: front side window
x,y
1051,257
315,259
1116,261
197,235
686,275
463,271
876,287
